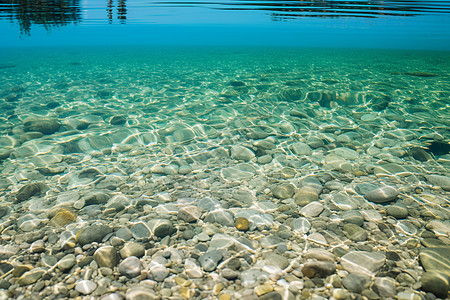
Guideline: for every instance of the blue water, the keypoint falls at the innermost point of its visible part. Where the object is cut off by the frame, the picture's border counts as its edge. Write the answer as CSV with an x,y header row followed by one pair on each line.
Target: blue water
x,y
330,24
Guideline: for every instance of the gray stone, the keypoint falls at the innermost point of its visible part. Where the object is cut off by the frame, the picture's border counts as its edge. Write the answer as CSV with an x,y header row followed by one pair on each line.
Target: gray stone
x,y
306,195
31,276
319,254
354,217
382,194
300,148
130,267
313,209
67,262
436,283
132,249
86,287
346,153
436,259
439,180
95,198
189,213
220,216
161,227
384,287
112,296
356,283
140,293
93,233
31,189
397,210
210,259
140,231
229,274
301,225
241,153
315,268
106,256
364,188
273,259
363,262
355,233
283,191
42,125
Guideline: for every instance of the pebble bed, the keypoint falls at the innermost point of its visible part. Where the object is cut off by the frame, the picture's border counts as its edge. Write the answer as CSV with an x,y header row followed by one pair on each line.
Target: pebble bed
x,y
224,174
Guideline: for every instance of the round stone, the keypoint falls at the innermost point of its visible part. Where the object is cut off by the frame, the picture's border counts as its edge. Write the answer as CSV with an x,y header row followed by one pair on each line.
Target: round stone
x,y
161,227
382,194
242,224
436,283
63,218
283,191
67,262
241,153
130,267
93,233
86,287
106,256
132,249
210,259
355,233
397,210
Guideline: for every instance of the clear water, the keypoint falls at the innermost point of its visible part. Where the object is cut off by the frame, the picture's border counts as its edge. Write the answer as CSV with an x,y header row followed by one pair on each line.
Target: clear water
x,y
147,101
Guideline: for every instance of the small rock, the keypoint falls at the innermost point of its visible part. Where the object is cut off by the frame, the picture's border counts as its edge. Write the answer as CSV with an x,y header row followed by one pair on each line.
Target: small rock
x,y
86,287
31,189
354,217
132,249
37,246
356,283
384,287
441,181
63,218
130,267
93,233
397,210
313,209
355,233
161,227
276,260
382,194
306,195
140,293
283,191
263,289
363,262
242,224
31,276
315,268
190,213
118,120
436,283
42,125
242,153
210,259
300,148
436,259
106,256
66,263
229,274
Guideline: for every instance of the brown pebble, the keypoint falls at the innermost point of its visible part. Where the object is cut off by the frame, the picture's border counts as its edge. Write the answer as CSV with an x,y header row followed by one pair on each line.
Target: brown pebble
x,y
242,224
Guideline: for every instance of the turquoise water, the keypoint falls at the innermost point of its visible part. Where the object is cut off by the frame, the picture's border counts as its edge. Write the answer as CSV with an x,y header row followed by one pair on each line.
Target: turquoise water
x,y
224,150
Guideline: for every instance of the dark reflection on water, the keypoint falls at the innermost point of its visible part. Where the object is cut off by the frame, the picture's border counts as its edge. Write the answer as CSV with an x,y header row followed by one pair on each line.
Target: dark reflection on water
x,y
54,13
48,13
